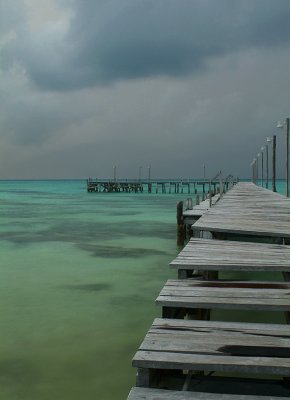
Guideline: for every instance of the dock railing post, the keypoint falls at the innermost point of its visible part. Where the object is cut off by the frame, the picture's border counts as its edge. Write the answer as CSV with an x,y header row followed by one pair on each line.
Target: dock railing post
x,y
285,126
287,157
210,199
274,164
221,187
188,204
262,159
267,166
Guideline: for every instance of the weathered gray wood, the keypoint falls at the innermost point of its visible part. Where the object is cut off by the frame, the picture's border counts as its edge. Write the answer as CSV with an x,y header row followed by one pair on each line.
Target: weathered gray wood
x,y
200,209
223,255
159,394
226,347
248,210
188,293
146,377
216,346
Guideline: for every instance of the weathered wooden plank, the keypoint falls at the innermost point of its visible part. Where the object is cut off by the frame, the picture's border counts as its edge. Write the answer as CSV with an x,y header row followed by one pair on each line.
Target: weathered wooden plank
x,y
218,346
225,298
237,364
218,326
223,303
226,295
209,254
159,394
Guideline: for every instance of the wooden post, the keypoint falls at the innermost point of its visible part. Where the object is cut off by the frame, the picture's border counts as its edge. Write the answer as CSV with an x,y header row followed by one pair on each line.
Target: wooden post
x,y
262,154
210,199
180,224
221,187
274,164
267,168
287,157
188,203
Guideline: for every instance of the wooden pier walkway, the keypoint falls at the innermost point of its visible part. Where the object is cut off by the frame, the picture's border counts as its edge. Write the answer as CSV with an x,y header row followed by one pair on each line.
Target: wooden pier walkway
x,y
186,355
248,210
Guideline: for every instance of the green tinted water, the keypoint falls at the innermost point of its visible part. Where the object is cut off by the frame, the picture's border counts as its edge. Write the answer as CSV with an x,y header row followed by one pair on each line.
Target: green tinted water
x,y
79,276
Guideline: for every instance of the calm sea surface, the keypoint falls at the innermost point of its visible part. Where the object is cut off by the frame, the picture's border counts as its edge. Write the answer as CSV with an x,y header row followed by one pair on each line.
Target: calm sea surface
x,y
79,274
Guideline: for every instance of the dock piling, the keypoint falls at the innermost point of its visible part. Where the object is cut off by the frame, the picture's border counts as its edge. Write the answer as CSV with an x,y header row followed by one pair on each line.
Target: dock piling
x,y
180,224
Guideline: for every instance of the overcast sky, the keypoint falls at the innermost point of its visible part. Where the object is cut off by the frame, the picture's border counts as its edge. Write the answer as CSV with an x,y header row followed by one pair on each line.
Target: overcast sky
x,y
89,84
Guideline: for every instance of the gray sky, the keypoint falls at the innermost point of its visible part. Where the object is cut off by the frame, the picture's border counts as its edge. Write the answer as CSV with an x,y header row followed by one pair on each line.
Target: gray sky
x,y
88,84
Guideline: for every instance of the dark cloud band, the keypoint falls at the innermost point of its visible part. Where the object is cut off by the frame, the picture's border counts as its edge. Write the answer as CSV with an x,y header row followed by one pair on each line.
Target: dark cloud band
x,y
113,40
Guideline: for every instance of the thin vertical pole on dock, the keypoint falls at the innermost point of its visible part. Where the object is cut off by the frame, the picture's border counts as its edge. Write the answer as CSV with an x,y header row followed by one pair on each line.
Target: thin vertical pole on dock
x,y
253,170
221,187
257,171
210,199
149,180
267,167
274,164
262,154
115,173
287,157
180,224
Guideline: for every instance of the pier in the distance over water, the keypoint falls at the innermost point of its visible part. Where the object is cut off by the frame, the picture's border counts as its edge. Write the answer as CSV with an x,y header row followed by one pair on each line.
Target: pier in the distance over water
x,y
156,185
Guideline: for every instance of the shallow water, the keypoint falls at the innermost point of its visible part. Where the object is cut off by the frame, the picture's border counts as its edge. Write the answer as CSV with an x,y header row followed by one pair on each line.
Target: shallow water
x,y
79,276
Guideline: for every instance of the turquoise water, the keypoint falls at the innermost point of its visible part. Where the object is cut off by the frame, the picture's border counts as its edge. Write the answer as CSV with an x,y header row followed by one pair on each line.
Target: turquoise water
x,y
79,276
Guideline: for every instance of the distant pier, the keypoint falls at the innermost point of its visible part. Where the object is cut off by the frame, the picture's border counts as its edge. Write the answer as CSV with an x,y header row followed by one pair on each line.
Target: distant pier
x,y
156,186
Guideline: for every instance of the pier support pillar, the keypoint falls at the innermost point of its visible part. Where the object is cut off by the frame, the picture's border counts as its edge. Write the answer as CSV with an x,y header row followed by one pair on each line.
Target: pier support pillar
x,y
180,224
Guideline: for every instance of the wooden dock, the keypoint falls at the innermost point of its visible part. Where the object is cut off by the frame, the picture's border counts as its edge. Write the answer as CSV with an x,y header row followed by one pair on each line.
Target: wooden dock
x,y
186,355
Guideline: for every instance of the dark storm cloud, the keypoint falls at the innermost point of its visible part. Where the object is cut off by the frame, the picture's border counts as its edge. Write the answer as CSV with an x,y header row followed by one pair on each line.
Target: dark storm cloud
x,y
112,40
